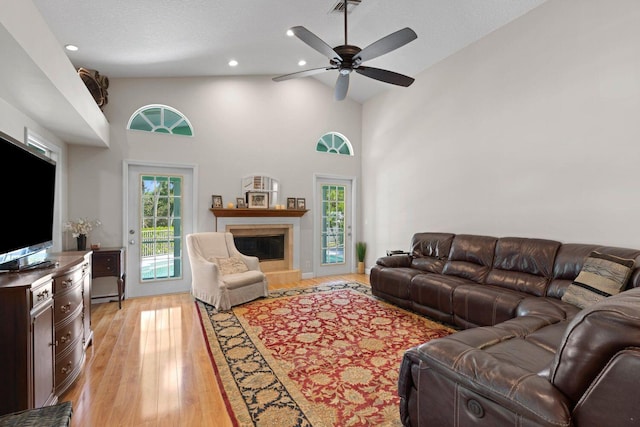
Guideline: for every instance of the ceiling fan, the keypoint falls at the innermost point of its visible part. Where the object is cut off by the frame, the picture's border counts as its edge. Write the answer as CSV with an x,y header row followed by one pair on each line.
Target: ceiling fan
x,y
347,58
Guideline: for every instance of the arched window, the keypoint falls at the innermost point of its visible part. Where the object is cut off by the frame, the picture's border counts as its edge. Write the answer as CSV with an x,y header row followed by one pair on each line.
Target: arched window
x,y
161,119
333,142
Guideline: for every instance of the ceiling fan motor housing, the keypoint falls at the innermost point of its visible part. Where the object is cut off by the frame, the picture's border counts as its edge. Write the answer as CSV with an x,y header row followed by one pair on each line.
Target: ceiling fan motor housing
x,y
346,52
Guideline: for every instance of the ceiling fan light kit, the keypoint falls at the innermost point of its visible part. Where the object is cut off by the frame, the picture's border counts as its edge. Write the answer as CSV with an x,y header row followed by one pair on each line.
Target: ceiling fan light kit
x,y
347,58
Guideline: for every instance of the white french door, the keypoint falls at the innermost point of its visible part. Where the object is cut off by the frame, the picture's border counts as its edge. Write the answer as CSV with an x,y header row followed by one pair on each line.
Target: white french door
x,y
159,214
333,226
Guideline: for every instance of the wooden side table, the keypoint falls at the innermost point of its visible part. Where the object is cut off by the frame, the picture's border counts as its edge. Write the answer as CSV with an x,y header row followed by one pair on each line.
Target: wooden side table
x,y
109,262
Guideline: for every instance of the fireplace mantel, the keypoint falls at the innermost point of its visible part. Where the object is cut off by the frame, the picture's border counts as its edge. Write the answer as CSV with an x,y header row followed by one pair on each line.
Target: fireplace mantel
x,y
253,212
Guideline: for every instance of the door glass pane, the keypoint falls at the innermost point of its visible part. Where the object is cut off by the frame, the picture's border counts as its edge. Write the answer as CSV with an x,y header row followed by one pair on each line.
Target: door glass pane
x,y
333,226
160,227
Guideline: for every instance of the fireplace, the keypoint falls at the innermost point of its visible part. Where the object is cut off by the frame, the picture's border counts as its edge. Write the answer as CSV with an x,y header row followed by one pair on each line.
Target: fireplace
x,y
267,222
266,248
260,239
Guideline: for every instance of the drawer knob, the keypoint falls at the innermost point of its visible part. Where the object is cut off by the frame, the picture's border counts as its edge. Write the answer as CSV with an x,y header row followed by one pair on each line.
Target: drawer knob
x,y
67,368
66,338
66,308
67,283
43,295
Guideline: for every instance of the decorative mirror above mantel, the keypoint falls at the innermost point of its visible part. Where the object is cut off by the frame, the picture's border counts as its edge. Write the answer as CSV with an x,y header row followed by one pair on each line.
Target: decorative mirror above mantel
x,y
262,183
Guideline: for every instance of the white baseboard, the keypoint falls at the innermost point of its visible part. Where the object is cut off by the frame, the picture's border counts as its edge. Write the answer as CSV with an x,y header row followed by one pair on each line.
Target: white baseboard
x,y
308,275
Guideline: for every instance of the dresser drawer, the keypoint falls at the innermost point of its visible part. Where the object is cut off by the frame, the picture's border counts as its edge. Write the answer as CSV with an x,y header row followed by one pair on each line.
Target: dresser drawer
x,y
68,303
69,334
68,365
41,294
67,281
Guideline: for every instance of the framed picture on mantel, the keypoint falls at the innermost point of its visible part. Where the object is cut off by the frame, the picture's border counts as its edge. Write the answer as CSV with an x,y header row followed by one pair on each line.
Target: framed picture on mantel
x,y
258,199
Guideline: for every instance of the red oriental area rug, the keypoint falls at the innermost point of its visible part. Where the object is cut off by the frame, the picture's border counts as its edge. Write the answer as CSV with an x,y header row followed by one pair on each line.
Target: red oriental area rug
x,y
322,356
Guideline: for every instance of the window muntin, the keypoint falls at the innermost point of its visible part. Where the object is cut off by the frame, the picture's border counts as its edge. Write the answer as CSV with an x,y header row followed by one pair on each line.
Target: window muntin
x,y
333,224
161,227
336,143
160,119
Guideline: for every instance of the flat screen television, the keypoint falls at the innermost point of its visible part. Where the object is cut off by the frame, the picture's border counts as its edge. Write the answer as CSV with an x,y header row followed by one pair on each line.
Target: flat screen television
x,y
26,212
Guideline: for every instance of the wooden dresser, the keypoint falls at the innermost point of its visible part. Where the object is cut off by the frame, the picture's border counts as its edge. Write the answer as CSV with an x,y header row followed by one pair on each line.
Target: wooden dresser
x,y
45,328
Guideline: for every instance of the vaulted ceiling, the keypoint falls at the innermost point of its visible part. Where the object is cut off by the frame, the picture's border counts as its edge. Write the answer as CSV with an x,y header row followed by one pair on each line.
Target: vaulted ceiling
x,y
156,38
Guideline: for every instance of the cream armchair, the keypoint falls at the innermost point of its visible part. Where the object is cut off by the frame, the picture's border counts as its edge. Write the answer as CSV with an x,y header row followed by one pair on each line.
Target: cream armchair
x,y
222,276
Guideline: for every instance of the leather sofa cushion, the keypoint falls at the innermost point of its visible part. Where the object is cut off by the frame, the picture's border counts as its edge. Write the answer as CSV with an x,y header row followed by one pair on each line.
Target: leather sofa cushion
x,y
552,309
427,264
549,337
517,281
433,245
396,280
471,257
525,354
484,305
533,256
435,291
523,264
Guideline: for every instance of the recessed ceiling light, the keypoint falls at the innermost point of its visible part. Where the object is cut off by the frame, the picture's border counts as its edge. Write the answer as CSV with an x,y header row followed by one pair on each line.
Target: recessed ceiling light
x,y
302,62
290,32
71,47
233,63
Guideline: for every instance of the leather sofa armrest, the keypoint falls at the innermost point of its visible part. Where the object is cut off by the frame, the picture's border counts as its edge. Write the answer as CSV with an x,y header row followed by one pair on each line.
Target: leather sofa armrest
x,y
508,385
394,261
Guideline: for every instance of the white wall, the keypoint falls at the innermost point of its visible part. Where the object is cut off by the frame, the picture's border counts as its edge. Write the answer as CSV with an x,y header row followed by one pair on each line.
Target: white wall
x,y
533,131
242,126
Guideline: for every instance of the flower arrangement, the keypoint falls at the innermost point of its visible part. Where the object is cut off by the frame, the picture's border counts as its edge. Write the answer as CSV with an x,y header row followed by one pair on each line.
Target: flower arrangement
x,y
81,226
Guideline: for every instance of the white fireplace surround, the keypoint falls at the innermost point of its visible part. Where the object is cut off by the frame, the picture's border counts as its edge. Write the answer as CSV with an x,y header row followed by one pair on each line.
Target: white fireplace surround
x,y
223,222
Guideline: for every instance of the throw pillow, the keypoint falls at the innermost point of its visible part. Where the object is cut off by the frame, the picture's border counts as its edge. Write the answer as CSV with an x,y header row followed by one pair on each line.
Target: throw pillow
x,y
601,276
231,265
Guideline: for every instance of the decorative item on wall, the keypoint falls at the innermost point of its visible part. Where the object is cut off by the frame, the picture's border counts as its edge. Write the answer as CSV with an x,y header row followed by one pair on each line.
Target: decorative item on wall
x,y
216,202
262,183
291,202
240,203
258,199
96,84
80,228
301,203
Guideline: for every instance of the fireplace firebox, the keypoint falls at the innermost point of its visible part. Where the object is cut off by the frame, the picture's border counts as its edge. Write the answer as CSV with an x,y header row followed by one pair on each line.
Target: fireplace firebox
x,y
266,248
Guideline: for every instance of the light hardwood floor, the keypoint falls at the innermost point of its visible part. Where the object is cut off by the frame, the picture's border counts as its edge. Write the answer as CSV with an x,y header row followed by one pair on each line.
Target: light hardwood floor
x,y
149,365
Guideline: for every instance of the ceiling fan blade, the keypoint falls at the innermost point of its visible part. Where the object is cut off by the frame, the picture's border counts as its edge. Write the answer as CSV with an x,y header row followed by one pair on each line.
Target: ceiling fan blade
x,y
305,73
342,86
315,42
386,44
385,76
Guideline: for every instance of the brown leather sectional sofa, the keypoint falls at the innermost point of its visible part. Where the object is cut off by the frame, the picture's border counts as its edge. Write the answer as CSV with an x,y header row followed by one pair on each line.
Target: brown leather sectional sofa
x,y
524,357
